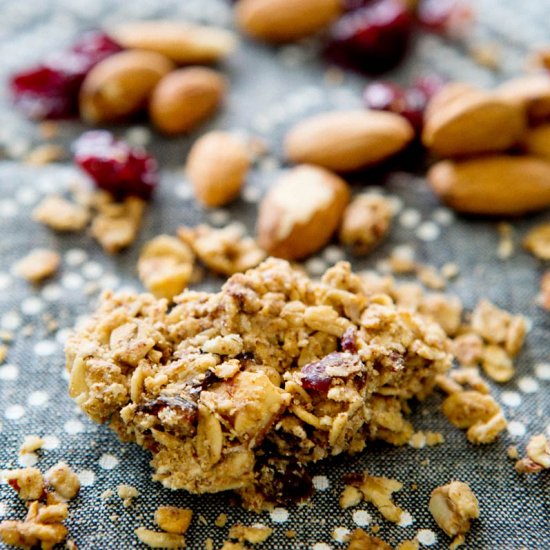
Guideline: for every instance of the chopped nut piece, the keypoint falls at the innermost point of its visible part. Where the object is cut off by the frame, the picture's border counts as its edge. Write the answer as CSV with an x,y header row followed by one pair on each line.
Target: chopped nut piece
x,y
361,540
453,506
61,215
225,251
127,493
538,455
351,496
496,364
154,539
254,534
173,519
28,483
37,265
64,481
366,221
165,266
27,534
537,241
30,444
117,224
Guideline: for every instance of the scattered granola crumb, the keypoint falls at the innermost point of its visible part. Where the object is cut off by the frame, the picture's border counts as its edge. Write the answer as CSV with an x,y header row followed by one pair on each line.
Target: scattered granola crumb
x,y
155,539
3,353
45,154
127,493
361,540
107,494
254,534
30,444
202,519
375,528
173,519
63,480
290,533
228,545
538,455
537,241
209,544
221,520
60,214
48,129
487,54
512,452
430,277
420,439
453,506
28,483
408,545
351,496
38,264
545,291
506,244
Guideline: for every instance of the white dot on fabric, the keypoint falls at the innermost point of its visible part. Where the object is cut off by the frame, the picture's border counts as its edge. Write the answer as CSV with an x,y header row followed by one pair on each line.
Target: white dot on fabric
x,y
405,519
333,254
428,231
52,292
340,534
321,546
410,218
426,537
37,398
184,192
108,461
44,348
11,320
26,460
3,509
321,483
516,428
75,257
73,427
443,216
8,209
72,281
5,281
542,371
511,398
32,305
14,412
62,335
251,194
139,136
361,518
86,477
26,196
396,204
527,384
316,266
218,217
279,515
50,442
109,281
92,270
9,372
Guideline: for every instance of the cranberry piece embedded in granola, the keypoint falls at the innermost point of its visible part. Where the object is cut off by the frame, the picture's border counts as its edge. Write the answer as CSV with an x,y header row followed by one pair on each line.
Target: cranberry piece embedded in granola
x,y
185,410
315,376
348,342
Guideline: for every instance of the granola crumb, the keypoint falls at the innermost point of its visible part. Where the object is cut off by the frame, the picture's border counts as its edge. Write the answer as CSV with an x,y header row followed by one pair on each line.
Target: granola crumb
x,y
290,533
408,545
202,519
506,246
375,528
127,493
254,534
537,241
173,519
209,544
487,54
156,539
361,540
351,496
61,215
512,452
63,480
30,444
38,264
544,297
107,494
450,270
28,483
538,455
3,353
45,154
221,520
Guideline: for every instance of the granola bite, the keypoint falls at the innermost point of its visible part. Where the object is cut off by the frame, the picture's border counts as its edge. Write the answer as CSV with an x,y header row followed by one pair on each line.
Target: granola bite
x,y
61,215
240,389
537,241
38,264
538,456
361,540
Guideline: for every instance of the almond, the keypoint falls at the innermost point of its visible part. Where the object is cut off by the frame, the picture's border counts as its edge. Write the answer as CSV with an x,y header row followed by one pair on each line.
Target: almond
x,y
537,141
344,141
496,185
120,85
301,212
182,42
185,98
284,20
533,92
461,120
217,165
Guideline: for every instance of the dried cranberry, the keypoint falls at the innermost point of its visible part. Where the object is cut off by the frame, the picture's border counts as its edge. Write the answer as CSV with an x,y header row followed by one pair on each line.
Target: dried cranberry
x,y
185,410
315,377
347,342
115,166
445,16
50,89
373,38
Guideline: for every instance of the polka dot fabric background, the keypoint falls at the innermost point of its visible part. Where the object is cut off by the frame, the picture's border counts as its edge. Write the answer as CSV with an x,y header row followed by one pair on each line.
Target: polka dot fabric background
x,y
269,90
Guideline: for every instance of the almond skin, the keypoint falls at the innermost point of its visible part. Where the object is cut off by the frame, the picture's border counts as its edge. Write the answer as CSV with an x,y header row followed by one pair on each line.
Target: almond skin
x,y
344,141
217,165
466,121
120,85
284,20
536,141
533,92
494,186
185,98
301,212
182,42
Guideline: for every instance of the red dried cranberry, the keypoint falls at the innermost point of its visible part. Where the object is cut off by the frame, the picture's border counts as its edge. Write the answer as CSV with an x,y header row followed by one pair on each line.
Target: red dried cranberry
x,y
373,38
348,342
445,16
50,89
315,377
115,166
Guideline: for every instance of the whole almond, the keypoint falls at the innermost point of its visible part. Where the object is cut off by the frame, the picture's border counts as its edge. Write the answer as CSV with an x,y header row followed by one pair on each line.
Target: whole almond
x,y
285,20
467,121
533,92
344,141
495,185
536,141
185,98
217,165
182,42
120,85
301,212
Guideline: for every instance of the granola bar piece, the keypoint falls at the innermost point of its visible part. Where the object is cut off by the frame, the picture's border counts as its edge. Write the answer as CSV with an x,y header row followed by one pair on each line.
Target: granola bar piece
x,y
239,390
38,264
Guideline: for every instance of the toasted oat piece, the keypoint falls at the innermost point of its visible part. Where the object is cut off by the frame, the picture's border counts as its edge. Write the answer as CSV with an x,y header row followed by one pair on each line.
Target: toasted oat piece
x,y
537,241
61,215
173,519
63,480
538,455
225,251
155,539
453,506
38,264
361,540
28,483
254,534
165,266
30,444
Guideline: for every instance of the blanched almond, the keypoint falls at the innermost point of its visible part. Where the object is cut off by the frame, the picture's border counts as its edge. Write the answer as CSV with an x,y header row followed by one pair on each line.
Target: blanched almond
x,y
120,85
285,20
185,98
537,141
533,92
301,212
344,141
496,185
182,42
217,165
465,121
